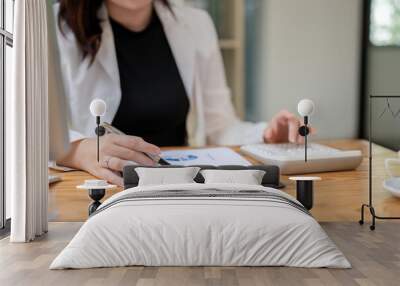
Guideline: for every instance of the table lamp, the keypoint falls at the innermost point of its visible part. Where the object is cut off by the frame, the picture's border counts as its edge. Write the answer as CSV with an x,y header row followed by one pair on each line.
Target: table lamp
x,y
304,185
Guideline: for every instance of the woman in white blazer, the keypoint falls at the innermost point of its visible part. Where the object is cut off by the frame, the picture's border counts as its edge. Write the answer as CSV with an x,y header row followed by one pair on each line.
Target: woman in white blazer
x,y
92,68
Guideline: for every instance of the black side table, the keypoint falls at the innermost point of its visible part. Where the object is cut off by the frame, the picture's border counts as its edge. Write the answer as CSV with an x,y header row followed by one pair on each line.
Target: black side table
x,y
96,195
96,191
305,190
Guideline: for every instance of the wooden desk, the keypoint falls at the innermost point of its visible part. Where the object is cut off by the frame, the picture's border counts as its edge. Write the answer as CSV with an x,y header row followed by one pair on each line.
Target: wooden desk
x,y
337,197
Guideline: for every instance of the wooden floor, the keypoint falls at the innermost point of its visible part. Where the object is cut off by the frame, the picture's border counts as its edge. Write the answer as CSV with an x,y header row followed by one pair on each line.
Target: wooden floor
x,y
375,257
338,196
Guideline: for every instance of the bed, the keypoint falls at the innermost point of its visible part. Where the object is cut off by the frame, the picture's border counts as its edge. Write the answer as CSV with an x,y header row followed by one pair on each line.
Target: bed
x,y
201,224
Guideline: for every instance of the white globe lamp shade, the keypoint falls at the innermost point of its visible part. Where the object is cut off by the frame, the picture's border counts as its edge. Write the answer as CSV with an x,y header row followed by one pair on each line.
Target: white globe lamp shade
x,y
98,107
305,107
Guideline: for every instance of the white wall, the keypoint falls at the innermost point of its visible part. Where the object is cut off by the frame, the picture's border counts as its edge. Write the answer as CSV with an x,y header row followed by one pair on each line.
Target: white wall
x,y
310,49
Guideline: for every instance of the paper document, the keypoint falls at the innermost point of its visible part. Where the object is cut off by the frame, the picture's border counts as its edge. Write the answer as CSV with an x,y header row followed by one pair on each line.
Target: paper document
x,y
210,156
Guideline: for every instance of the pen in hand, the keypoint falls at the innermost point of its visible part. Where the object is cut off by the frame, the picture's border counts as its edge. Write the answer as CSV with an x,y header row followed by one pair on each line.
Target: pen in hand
x,y
155,158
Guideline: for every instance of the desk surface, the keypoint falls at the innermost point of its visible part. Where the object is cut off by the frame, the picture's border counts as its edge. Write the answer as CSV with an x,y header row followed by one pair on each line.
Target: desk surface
x,y
337,197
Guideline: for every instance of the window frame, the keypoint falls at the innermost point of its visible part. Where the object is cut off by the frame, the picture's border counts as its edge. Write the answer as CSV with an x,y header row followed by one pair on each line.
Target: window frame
x,y
6,39
371,43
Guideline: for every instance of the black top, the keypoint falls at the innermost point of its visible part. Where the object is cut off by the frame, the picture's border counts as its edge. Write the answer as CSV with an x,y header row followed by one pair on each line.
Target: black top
x,y
154,104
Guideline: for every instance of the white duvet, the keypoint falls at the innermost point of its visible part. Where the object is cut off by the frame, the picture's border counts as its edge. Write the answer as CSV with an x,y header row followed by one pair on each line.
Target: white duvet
x,y
200,231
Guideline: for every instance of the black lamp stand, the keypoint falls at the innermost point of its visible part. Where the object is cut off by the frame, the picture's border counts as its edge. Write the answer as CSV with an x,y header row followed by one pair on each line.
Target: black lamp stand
x,y
304,131
370,205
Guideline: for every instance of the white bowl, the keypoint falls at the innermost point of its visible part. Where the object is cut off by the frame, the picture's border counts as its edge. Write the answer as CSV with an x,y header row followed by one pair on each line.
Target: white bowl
x,y
393,186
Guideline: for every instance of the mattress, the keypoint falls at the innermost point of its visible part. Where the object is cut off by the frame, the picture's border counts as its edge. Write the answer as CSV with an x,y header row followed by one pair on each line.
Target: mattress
x,y
201,225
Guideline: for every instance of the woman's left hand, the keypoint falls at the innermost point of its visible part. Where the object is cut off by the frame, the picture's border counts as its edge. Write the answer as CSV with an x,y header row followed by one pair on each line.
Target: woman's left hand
x,y
284,127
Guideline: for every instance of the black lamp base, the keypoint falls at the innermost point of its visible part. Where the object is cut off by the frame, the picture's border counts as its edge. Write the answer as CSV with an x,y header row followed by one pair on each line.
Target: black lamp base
x,y
96,195
305,193
305,190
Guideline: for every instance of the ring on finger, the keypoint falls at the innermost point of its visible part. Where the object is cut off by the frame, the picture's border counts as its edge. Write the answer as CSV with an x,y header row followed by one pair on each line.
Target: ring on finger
x,y
107,161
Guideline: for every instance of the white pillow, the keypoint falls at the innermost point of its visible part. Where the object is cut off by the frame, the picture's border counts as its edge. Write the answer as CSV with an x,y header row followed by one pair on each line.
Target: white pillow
x,y
166,176
248,177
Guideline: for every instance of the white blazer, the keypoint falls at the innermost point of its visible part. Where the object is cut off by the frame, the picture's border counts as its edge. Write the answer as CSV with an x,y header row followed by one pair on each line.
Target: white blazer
x,y
194,44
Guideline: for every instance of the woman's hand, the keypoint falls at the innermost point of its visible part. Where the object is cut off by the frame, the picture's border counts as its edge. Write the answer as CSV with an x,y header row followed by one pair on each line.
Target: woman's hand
x,y
116,151
284,127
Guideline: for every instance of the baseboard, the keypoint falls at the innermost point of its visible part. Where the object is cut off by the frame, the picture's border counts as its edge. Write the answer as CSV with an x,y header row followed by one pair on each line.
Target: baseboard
x,y
5,231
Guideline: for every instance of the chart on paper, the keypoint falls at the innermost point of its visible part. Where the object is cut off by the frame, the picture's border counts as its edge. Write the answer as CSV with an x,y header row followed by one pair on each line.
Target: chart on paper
x,y
209,156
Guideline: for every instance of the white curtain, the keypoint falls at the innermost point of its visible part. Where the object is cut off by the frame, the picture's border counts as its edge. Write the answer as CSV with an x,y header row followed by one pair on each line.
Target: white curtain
x,y
27,123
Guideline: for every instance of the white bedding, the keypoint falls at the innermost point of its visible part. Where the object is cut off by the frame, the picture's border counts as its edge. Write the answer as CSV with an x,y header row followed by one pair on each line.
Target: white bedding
x,y
188,231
